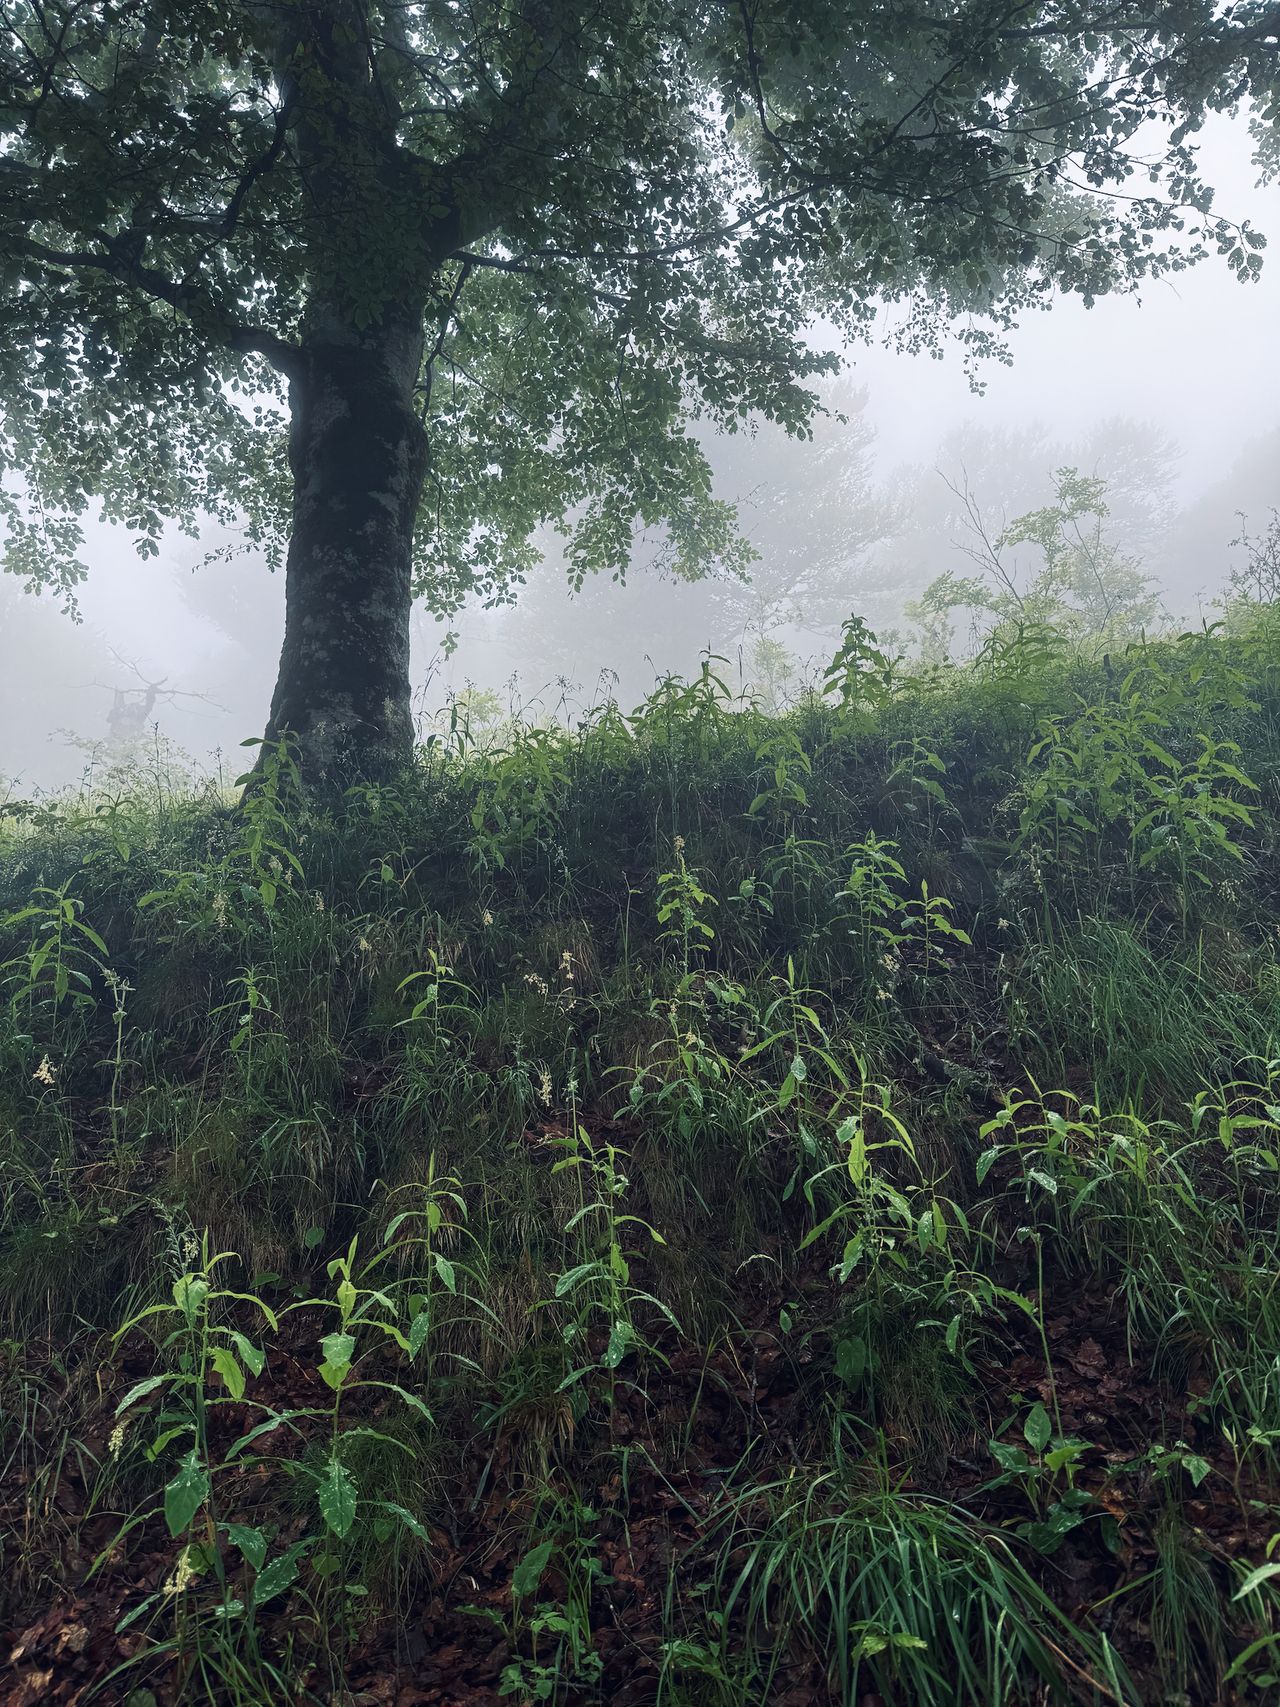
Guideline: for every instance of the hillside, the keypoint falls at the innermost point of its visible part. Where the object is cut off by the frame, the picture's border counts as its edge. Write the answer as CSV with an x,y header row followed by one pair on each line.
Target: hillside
x,y
698,1208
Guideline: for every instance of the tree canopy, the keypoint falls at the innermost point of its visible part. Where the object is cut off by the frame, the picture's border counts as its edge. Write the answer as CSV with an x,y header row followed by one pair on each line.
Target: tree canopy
x,y
576,227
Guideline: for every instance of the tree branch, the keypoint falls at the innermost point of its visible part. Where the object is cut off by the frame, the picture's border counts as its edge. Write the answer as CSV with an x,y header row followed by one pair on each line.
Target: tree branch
x,y
119,261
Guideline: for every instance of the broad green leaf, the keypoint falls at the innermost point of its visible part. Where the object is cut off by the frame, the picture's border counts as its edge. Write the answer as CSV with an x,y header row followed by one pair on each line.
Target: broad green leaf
x,y
620,1336
336,1495
251,1543
252,1356
1255,1579
851,1361
189,1293
1196,1467
573,1276
224,1360
419,1332
1037,1429
186,1493
140,1390
408,1520
528,1573
277,1574
338,1349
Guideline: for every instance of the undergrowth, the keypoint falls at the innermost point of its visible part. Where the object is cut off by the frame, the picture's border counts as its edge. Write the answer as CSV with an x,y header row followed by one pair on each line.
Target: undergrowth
x,y
698,1207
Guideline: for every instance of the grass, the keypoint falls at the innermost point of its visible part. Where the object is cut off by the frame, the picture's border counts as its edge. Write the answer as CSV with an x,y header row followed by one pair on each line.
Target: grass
x,y
738,1208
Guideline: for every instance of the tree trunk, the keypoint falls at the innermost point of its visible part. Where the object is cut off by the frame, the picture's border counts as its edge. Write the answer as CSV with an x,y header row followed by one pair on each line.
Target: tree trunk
x,y
358,456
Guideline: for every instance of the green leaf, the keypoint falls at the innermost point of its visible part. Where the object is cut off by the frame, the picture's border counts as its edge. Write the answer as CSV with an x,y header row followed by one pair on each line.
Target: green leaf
x,y
1256,1578
851,1361
412,1400
408,1520
419,1330
186,1493
620,1336
277,1574
336,1495
573,1276
1037,1430
528,1573
985,1161
252,1356
140,1390
1011,1458
444,1268
189,1293
338,1351
225,1363
251,1543
857,1154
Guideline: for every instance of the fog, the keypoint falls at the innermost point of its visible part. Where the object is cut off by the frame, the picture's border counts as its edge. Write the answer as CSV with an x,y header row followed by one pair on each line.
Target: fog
x,y
1170,397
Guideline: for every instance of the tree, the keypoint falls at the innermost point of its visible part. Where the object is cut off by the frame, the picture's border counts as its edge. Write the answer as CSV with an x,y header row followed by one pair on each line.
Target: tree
x,y
490,259
1083,580
1221,532
983,480
809,510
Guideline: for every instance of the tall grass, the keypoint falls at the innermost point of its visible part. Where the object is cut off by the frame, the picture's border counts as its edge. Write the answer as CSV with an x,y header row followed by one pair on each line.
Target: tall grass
x,y
629,1191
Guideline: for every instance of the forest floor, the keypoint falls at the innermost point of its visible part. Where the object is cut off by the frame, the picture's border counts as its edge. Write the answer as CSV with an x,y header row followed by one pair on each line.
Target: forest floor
x,y
700,1208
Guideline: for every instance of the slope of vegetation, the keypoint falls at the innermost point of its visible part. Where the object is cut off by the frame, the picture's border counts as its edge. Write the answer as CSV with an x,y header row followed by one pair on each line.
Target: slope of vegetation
x,y
702,1207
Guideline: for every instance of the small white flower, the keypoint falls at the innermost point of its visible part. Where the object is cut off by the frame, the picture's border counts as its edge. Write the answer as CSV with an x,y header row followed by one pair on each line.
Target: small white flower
x,y
46,1072
115,1440
181,1575
486,918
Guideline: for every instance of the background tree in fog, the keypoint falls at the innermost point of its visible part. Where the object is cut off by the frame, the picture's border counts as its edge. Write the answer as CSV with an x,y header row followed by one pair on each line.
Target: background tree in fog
x,y
810,510
1081,579
489,261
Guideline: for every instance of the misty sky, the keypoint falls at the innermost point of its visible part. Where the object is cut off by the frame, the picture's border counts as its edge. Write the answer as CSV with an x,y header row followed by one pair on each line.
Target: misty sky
x,y
1198,356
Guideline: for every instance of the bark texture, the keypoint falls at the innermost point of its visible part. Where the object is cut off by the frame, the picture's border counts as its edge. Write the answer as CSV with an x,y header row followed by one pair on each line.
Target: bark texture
x,y
358,454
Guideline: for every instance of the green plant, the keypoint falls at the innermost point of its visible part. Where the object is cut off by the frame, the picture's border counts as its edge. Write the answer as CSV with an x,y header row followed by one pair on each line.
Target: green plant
x,y
212,1364
1044,1470
893,1591
55,970
597,1291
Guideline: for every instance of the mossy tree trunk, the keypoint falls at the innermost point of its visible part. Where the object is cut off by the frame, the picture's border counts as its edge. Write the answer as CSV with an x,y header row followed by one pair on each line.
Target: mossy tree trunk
x,y
358,455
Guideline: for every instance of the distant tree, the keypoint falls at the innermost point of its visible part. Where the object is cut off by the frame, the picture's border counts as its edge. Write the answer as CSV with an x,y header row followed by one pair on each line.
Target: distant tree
x,y
1257,580
1082,581
810,509
1211,543
490,258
